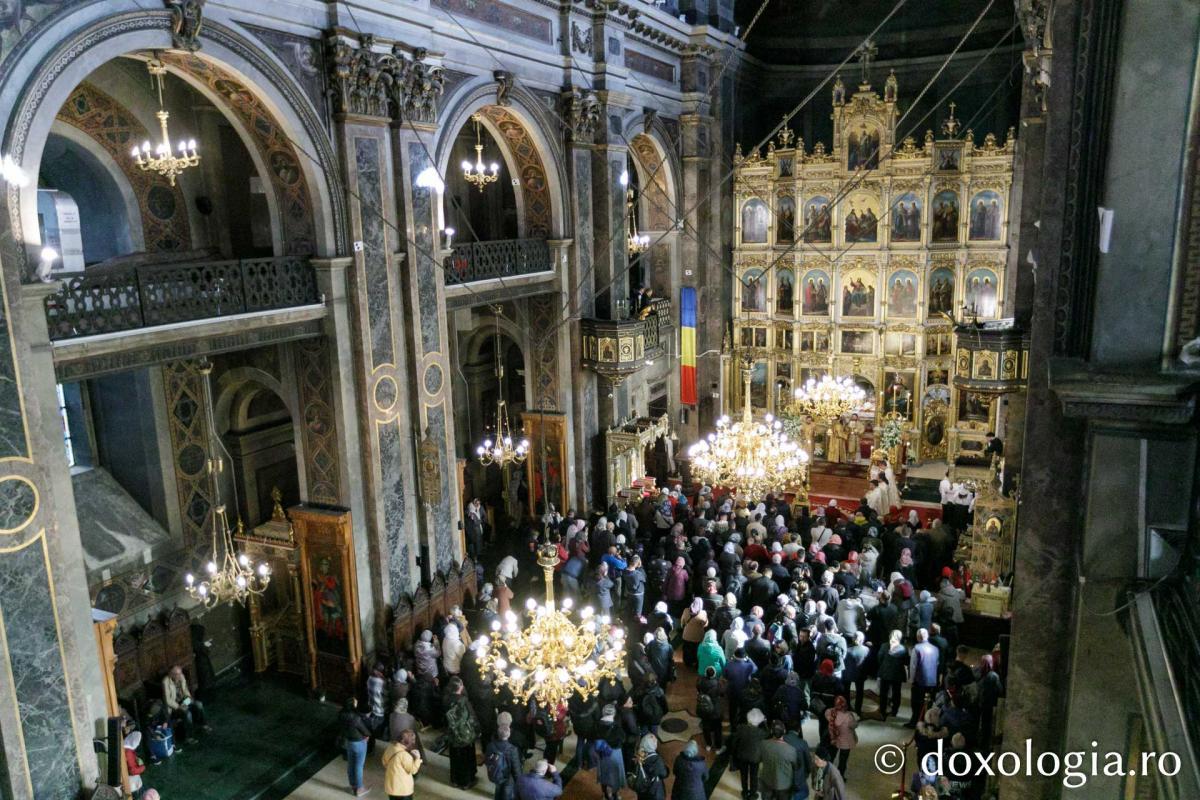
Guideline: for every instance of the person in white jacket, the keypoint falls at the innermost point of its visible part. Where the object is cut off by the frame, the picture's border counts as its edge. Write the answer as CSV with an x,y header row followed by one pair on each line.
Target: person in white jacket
x,y
453,650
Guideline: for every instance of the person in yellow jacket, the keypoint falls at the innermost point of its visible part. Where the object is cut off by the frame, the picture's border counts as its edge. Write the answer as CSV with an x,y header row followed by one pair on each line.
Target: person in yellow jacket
x,y
401,761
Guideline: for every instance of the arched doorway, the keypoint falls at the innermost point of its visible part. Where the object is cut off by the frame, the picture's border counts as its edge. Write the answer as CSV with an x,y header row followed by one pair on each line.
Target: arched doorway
x,y
487,213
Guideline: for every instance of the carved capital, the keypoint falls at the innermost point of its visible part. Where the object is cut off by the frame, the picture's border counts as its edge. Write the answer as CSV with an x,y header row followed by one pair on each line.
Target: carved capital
x,y
386,85
187,18
583,113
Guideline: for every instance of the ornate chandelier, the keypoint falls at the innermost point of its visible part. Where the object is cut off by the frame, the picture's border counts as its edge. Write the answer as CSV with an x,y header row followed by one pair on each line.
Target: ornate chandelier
x,y
829,398
504,448
161,159
476,174
552,658
637,243
754,457
228,575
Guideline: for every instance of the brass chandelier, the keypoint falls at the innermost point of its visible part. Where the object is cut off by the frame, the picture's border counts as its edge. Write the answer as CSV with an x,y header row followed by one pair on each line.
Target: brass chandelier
x,y
828,398
755,457
552,658
504,447
228,575
476,174
161,158
637,243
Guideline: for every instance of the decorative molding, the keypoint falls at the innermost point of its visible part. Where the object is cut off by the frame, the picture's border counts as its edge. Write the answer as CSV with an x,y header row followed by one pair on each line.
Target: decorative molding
x,y
581,40
304,58
502,15
504,84
535,185
1153,398
313,370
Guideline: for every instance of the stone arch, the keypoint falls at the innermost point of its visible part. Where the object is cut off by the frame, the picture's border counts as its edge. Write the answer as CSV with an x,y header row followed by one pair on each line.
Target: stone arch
x,y
657,159
480,338
64,63
524,132
234,381
162,208
132,200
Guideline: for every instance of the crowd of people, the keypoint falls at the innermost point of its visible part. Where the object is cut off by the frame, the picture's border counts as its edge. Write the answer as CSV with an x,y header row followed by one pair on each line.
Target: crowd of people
x,y
783,613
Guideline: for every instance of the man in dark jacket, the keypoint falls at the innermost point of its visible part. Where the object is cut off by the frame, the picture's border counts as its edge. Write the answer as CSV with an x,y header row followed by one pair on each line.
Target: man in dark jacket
x,y
757,647
745,749
763,590
503,763
738,672
854,670
635,587
541,783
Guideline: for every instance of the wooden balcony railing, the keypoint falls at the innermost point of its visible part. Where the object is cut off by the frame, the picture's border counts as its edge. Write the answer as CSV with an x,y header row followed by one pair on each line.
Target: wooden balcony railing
x,y
617,348
504,258
110,300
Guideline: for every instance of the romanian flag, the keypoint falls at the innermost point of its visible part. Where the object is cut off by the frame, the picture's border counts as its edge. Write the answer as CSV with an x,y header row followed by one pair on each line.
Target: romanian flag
x,y
687,345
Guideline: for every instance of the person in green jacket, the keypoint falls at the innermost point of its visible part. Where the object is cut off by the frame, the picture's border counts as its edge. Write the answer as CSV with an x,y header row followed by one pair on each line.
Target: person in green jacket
x,y
710,654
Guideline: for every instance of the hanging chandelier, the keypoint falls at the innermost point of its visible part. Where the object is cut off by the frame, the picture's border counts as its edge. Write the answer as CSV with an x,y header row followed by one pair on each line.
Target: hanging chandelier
x,y
161,158
552,657
637,242
828,398
476,174
228,575
503,448
755,457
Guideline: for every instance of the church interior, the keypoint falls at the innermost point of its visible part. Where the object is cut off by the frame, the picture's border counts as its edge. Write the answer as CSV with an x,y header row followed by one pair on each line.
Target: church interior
x,y
640,399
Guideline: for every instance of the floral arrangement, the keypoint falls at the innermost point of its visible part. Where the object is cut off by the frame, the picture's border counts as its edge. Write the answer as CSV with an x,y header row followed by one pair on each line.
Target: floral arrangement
x,y
890,434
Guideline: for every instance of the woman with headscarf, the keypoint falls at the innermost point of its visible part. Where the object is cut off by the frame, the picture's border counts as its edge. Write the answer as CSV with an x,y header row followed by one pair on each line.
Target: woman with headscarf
x,y
691,771
695,623
134,764
661,618
787,704
453,650
649,770
606,754
675,585
661,656
735,637
893,671
425,657
710,654
826,688
841,722
462,729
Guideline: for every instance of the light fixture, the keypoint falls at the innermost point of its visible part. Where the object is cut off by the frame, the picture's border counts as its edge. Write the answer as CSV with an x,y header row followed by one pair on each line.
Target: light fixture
x,y
828,398
552,658
476,173
228,576
161,158
637,243
754,457
11,172
503,447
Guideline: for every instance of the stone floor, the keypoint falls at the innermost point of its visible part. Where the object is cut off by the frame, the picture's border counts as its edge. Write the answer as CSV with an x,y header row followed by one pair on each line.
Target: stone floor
x,y
865,783
267,738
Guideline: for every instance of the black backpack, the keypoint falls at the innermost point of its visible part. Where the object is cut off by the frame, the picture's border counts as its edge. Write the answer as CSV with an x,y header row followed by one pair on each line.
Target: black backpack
x,y
706,707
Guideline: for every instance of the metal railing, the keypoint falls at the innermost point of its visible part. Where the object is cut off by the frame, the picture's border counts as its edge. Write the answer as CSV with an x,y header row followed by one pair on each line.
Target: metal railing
x,y
109,300
503,258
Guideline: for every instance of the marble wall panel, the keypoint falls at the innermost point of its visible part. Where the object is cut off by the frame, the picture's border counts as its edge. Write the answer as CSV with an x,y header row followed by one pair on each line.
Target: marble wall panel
x,y
393,490
374,239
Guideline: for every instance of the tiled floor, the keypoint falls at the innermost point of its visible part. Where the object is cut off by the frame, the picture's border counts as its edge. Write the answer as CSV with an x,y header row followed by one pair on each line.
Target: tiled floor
x,y
866,783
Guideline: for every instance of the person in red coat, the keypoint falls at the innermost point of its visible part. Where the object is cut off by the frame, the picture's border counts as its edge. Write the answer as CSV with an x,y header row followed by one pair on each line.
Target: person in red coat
x,y
132,763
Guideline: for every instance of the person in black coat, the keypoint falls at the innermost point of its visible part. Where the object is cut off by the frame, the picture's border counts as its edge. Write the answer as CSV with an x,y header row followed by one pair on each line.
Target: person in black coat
x,y
651,704
691,771
661,657
710,690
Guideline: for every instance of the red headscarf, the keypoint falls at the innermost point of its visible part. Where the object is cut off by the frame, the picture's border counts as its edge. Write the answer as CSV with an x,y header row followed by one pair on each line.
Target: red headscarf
x,y
826,668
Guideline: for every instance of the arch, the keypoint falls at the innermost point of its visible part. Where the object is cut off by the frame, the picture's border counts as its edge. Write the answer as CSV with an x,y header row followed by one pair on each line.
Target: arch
x,y
524,132
131,201
232,383
63,64
478,341
654,153
161,208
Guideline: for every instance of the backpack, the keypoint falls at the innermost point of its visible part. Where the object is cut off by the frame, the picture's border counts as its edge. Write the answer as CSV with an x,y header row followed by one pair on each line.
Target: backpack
x,y
830,650
496,765
459,725
640,781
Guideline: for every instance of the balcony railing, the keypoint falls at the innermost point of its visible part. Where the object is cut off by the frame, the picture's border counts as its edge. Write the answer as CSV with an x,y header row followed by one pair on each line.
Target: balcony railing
x,y
504,258
126,298
617,348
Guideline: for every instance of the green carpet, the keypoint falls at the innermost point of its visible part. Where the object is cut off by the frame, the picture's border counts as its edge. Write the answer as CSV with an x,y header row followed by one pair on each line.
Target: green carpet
x,y
923,490
267,738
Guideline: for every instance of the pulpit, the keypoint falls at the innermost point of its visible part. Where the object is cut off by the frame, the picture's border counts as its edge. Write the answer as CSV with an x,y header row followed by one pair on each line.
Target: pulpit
x,y
625,449
278,637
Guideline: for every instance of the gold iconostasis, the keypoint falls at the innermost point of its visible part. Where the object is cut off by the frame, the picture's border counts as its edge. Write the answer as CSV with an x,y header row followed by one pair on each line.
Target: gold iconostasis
x,y
856,260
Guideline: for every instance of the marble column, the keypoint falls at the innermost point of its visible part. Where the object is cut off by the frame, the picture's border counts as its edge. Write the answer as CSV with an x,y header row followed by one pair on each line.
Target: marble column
x,y
423,301
611,258
52,700
380,355
579,284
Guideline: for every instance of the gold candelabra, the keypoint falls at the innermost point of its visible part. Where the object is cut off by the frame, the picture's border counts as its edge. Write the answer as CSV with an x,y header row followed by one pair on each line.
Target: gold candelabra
x,y
755,457
161,158
637,243
552,658
476,174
